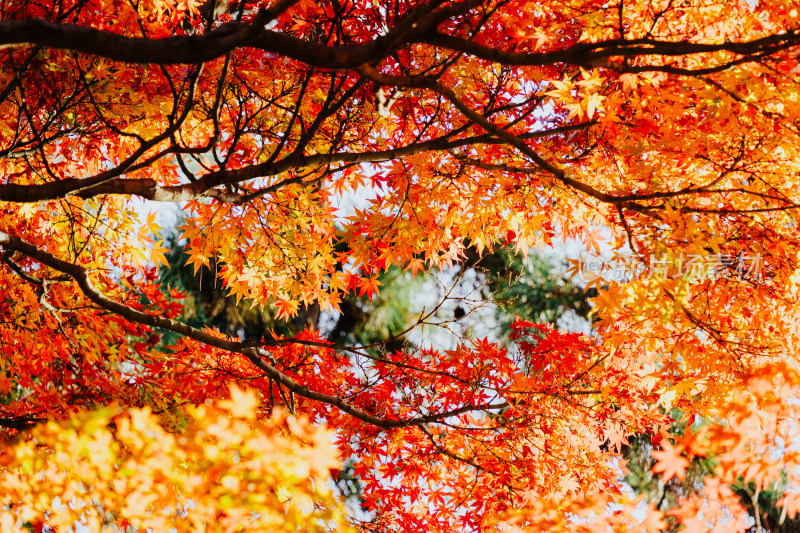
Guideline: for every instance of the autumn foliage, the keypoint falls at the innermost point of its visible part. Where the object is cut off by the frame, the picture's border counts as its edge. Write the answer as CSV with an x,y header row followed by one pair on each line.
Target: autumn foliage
x,y
313,146
225,471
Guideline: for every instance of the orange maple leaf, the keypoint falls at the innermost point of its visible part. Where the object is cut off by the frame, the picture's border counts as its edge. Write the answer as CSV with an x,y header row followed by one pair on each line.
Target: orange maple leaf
x,y
670,462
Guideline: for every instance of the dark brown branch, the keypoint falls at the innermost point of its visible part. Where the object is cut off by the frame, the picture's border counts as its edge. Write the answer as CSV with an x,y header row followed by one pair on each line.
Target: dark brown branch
x,y
204,185
595,54
193,49
20,423
417,27
81,277
422,82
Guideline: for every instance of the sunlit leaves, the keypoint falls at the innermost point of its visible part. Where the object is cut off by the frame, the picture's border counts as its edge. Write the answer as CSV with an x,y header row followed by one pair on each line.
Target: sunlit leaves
x,y
226,471
670,462
664,133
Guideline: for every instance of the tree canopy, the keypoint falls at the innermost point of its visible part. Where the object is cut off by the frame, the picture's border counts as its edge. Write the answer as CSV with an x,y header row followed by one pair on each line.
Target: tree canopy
x,y
315,145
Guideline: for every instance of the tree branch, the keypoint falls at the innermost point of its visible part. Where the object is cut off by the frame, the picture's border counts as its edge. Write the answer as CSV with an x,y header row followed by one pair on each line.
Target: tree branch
x,y
192,49
417,27
204,185
599,53
81,277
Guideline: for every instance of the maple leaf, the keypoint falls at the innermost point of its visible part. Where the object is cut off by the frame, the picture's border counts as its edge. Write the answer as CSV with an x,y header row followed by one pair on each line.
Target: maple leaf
x,y
791,502
242,403
670,461
368,286
415,265
653,522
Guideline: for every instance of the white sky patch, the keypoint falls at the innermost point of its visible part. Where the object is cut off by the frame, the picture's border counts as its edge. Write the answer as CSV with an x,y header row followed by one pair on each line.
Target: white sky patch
x,y
167,213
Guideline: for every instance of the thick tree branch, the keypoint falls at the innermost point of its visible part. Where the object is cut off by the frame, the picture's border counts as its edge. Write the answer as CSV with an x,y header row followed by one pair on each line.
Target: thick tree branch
x,y
193,49
418,27
20,423
599,53
204,186
81,277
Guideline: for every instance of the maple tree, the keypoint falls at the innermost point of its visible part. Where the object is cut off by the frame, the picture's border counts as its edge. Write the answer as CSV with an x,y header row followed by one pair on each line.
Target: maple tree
x,y
667,129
